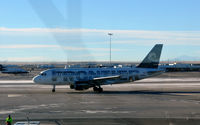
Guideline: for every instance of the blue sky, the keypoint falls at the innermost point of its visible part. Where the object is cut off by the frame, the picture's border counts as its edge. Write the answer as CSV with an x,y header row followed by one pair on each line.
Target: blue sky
x,y
76,30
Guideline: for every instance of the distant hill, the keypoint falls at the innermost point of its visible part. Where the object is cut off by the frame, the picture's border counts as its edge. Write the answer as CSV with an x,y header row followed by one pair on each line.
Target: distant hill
x,y
185,58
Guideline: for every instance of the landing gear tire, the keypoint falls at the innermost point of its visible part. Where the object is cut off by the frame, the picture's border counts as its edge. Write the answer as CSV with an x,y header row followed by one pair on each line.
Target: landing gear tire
x,y
71,86
100,90
54,88
95,89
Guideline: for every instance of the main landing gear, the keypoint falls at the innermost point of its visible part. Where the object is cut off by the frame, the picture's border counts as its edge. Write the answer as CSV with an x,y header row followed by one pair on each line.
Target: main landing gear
x,y
98,89
54,88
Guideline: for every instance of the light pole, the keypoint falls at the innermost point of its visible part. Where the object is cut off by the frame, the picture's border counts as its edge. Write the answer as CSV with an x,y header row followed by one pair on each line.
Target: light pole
x,y
110,34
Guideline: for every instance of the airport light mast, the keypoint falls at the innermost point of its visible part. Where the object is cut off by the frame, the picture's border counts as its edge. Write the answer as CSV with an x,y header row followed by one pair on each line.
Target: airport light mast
x,y
110,34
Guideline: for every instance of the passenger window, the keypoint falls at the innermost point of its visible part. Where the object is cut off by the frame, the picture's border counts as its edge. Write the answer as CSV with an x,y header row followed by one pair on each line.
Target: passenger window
x,y
65,79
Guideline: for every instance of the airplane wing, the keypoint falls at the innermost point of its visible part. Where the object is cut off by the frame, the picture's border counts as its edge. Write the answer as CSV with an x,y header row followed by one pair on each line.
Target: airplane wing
x,y
105,78
81,85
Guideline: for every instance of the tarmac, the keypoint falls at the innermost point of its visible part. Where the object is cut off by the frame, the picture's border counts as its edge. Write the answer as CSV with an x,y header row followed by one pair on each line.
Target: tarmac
x,y
155,101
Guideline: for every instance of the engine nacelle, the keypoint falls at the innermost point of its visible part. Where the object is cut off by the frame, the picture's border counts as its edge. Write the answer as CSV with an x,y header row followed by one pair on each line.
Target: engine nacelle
x,y
80,86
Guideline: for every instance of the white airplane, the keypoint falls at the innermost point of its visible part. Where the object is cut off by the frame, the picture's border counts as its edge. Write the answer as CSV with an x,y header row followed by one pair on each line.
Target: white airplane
x,y
85,78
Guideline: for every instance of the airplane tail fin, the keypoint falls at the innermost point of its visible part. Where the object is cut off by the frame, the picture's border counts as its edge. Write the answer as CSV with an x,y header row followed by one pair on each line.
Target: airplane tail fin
x,y
153,58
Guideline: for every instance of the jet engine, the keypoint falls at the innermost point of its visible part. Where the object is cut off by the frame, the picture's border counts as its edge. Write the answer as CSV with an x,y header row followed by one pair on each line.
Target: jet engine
x,y
80,86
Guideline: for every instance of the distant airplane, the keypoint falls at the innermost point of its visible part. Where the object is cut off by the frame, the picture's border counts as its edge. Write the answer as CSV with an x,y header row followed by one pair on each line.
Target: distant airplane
x,y
85,78
12,70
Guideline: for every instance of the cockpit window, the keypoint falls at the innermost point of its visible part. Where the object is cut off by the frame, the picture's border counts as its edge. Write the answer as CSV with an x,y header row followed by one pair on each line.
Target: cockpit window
x,y
43,74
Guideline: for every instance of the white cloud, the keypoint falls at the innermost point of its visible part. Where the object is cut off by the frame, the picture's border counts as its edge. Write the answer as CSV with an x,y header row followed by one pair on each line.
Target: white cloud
x,y
27,46
55,30
69,48
28,59
119,37
91,55
90,49
89,43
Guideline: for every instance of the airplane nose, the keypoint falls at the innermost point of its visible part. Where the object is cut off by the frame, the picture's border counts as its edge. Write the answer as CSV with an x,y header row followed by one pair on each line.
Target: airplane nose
x,y
36,79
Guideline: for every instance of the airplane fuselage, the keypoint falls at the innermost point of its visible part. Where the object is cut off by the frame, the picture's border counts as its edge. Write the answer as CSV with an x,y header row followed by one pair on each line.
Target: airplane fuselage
x,y
85,78
73,75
